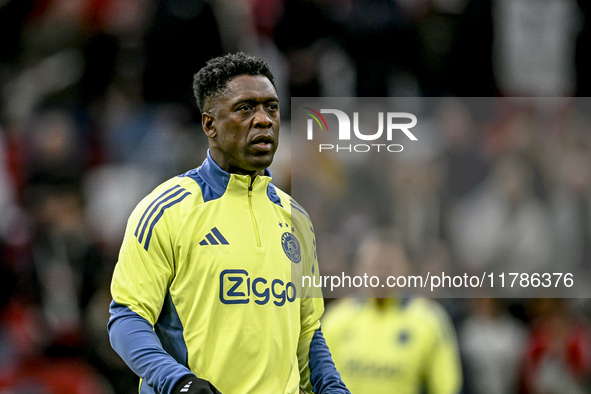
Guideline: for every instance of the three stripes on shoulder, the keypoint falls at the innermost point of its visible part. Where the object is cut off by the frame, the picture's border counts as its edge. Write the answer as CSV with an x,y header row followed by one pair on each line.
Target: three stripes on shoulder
x,y
170,197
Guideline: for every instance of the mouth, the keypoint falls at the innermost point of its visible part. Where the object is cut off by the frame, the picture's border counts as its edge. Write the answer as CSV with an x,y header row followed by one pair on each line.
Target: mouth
x,y
263,142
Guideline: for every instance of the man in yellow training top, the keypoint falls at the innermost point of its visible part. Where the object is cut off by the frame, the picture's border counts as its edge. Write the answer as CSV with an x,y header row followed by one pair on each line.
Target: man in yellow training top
x,y
392,345
205,299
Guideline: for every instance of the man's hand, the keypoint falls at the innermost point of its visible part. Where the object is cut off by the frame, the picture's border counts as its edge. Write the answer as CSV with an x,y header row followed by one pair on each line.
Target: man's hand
x,y
193,385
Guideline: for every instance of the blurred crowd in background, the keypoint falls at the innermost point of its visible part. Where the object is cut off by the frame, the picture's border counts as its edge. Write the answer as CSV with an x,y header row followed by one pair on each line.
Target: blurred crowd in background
x,y
496,185
96,109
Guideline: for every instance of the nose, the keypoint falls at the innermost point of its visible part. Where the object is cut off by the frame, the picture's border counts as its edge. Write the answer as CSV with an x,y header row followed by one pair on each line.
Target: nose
x,y
261,118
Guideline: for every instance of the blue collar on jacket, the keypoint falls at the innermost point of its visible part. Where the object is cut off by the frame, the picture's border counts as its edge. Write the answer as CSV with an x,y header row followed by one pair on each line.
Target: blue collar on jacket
x,y
213,180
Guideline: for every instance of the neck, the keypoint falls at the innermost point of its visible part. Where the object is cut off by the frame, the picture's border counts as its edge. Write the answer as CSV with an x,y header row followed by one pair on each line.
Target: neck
x,y
381,302
229,168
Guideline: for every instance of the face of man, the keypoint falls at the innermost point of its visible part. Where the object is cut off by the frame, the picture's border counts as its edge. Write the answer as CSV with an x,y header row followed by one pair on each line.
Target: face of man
x,y
243,125
383,259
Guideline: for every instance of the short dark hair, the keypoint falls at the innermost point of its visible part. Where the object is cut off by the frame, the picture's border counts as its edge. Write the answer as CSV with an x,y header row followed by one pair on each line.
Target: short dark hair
x,y
213,78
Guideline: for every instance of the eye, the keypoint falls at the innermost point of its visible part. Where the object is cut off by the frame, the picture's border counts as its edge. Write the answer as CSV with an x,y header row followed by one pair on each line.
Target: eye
x,y
273,106
244,107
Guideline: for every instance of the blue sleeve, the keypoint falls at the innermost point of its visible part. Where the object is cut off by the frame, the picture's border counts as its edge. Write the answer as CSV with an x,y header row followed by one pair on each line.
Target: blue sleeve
x,y
323,374
134,339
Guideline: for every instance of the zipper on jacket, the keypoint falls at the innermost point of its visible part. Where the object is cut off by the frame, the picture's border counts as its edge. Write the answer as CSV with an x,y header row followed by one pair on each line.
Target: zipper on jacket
x,y
254,220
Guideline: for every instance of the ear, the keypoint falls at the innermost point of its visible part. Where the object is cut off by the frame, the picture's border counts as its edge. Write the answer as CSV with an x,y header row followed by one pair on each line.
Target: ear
x,y
208,124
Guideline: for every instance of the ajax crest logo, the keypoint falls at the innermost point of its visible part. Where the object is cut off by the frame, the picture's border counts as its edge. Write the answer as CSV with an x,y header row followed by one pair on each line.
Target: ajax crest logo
x,y
291,247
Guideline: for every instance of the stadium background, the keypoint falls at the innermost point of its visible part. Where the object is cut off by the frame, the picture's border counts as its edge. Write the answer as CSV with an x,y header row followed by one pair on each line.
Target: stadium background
x,y
96,109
